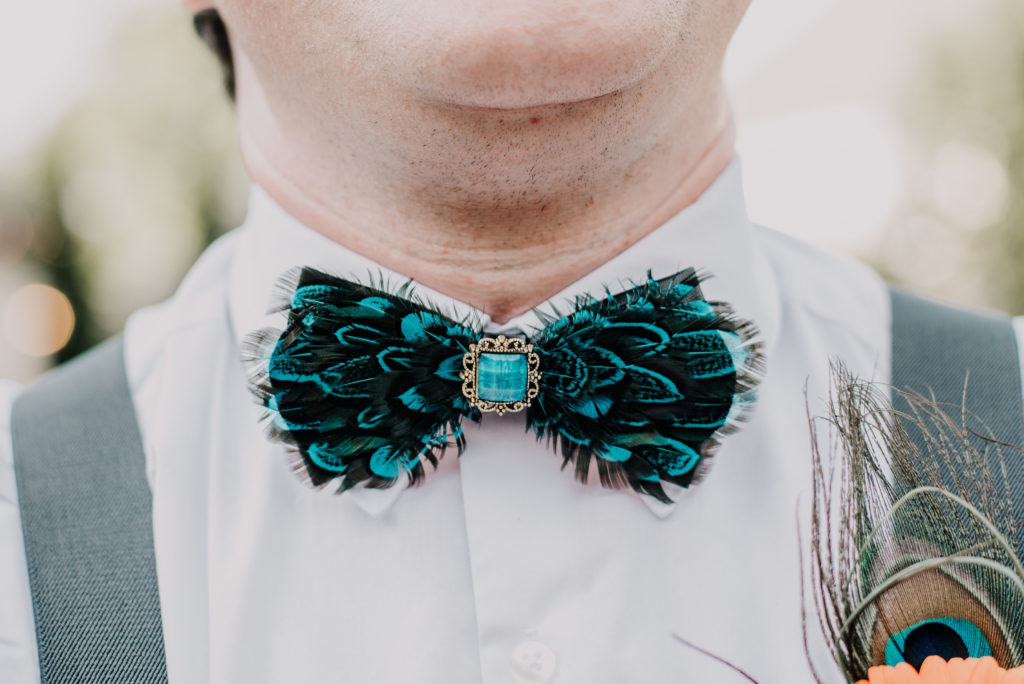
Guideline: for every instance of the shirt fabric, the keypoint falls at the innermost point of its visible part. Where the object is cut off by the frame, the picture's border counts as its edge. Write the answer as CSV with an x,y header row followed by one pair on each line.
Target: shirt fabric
x,y
501,567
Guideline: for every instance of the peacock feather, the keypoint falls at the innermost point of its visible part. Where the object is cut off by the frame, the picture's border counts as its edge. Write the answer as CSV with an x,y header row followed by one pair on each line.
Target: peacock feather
x,y
365,383
912,550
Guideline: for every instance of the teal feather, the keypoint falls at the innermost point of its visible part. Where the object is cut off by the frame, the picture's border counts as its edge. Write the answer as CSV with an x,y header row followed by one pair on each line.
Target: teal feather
x,y
644,383
362,382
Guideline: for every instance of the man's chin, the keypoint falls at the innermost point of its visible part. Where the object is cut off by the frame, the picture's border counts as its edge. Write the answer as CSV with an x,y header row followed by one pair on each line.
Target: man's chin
x,y
517,66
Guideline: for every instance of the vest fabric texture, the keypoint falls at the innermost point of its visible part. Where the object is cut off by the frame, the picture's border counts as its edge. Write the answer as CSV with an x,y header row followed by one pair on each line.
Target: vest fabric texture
x,y
964,359
86,513
86,506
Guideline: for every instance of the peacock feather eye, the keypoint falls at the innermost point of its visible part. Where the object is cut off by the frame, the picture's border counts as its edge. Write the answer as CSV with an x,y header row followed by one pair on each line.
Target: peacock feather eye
x,y
945,637
943,612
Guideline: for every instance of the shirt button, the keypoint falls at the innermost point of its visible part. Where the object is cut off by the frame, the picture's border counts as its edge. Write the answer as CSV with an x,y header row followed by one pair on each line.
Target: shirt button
x,y
533,663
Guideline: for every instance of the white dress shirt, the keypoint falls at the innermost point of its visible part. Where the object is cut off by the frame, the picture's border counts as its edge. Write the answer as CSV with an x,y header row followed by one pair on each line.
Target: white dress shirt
x,y
501,567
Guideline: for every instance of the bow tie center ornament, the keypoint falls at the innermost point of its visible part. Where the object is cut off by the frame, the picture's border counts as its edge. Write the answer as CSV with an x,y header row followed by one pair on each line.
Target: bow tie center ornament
x,y
365,384
500,375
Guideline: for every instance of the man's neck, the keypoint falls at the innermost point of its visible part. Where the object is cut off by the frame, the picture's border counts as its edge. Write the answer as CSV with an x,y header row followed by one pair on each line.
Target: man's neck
x,y
500,208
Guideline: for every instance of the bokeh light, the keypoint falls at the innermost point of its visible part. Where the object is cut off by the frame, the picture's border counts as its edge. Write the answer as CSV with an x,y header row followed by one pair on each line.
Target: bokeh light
x,y
38,320
969,185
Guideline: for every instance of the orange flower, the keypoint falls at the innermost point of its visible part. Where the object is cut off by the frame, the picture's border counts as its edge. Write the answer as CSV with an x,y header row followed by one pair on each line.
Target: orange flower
x,y
935,670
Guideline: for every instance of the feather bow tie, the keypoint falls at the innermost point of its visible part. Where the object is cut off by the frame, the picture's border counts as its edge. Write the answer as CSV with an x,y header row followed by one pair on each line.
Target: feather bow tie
x,y
367,384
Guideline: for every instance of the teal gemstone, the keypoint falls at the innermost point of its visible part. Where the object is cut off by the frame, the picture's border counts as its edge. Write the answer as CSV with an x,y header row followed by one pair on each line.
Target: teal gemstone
x,y
501,377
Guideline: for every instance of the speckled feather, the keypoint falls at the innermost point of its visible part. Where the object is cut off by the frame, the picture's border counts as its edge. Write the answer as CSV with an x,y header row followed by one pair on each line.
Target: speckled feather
x,y
361,381
645,383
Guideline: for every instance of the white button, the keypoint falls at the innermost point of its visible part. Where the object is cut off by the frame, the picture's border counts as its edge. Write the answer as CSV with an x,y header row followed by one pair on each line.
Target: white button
x,y
533,663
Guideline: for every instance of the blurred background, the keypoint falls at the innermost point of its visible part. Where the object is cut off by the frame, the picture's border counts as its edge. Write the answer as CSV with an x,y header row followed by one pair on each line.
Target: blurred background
x,y
891,131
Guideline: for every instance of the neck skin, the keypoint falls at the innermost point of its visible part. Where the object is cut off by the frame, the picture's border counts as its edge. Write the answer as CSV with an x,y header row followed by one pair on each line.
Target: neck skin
x,y
501,208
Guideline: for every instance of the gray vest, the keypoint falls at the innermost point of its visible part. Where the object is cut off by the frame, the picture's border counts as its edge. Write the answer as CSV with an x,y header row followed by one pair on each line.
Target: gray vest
x,y
86,508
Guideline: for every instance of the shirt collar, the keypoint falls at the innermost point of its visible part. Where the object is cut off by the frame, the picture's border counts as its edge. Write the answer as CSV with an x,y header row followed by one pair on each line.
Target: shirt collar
x,y
713,235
